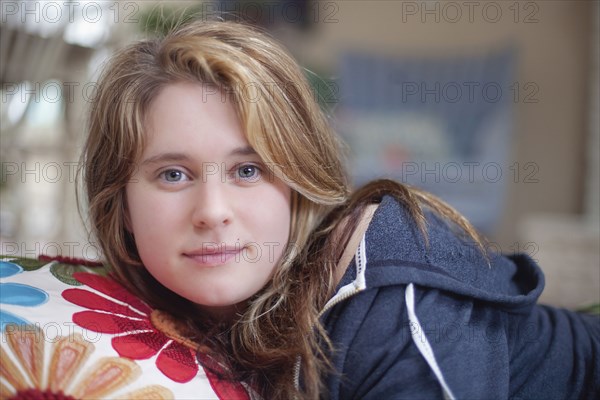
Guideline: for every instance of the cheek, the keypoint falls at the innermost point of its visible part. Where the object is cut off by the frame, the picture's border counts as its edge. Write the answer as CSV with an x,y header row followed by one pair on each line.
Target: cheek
x,y
266,215
283,231
153,238
145,214
145,206
137,210
278,215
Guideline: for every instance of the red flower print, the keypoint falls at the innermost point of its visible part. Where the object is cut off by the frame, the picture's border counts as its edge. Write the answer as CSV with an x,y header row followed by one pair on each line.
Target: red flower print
x,y
138,333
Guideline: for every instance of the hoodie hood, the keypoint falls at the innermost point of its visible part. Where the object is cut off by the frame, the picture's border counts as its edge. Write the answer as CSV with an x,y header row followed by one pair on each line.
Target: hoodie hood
x,y
398,253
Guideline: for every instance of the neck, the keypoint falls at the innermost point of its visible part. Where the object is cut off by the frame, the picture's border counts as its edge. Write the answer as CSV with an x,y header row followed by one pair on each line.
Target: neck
x,y
354,241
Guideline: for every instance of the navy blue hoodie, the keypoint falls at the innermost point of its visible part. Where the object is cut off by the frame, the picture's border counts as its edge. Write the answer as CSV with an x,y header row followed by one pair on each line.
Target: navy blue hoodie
x,y
417,320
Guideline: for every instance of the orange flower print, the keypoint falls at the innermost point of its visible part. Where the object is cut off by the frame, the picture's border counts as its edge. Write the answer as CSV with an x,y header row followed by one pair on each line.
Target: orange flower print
x,y
27,375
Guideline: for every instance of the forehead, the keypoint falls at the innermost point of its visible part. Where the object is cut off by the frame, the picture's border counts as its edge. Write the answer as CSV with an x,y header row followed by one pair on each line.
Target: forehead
x,y
184,102
191,115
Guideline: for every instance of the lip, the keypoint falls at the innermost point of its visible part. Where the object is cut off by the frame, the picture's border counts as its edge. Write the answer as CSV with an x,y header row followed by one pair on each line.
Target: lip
x,y
210,257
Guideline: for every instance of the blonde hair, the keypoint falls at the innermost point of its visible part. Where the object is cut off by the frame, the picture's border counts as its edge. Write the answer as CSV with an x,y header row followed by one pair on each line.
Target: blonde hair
x,y
286,127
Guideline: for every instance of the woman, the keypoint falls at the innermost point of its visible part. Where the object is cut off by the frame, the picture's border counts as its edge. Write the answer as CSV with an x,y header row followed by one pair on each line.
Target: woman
x,y
218,193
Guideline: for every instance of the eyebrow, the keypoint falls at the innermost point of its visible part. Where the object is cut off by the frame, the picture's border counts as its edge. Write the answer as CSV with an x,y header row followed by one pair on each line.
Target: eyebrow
x,y
175,157
243,151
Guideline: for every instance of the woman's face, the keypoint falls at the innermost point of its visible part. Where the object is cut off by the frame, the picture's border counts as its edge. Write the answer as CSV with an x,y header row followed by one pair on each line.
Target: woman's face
x,y
209,221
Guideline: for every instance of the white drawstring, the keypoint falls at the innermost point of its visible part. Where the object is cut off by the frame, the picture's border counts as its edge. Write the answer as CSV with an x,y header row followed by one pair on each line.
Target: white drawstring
x,y
422,342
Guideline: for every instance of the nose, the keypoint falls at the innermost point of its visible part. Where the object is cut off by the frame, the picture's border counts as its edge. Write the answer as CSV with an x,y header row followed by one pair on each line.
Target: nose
x,y
212,208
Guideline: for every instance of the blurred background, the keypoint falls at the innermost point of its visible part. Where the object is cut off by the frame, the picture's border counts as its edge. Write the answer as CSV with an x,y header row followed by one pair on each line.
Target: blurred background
x,y
492,105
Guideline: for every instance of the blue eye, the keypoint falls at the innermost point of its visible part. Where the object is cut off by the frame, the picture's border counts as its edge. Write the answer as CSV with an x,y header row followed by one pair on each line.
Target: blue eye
x,y
173,175
248,172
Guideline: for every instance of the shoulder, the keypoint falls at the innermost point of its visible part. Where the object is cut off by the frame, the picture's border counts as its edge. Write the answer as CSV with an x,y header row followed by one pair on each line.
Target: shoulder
x,y
397,252
374,353
407,341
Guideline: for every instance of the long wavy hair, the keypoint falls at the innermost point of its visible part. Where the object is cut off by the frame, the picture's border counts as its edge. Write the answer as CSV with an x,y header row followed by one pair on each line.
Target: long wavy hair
x,y
279,330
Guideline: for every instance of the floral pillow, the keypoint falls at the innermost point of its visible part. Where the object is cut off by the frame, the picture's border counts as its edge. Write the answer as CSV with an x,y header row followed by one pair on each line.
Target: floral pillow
x,y
70,331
